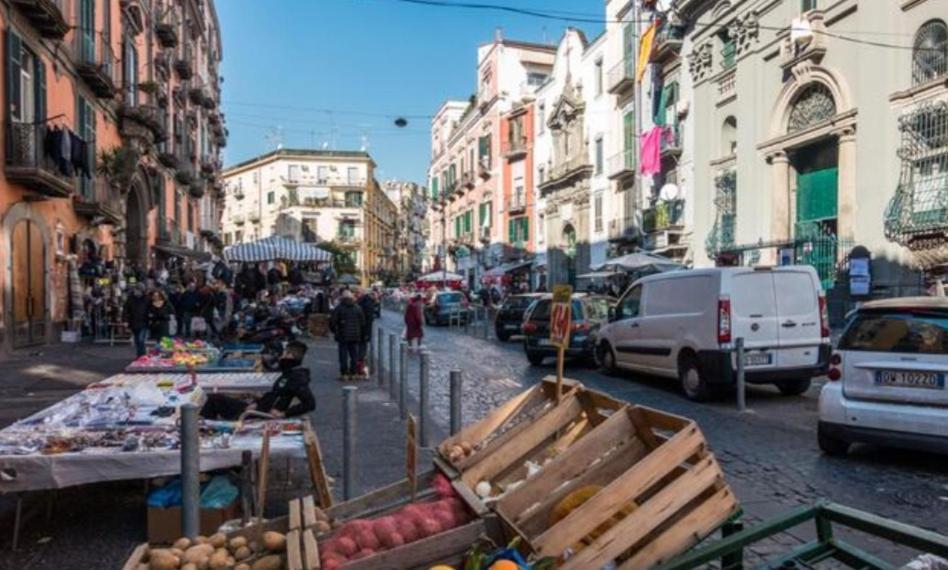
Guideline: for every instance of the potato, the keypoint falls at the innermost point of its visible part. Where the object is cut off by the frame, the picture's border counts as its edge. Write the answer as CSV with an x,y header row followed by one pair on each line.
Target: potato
x,y
242,566
200,539
274,541
231,561
217,540
177,552
142,566
198,552
218,560
163,559
237,542
242,553
182,543
189,566
269,562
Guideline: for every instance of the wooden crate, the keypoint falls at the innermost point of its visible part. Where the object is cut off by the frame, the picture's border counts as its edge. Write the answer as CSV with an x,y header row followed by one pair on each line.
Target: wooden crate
x,y
654,464
529,427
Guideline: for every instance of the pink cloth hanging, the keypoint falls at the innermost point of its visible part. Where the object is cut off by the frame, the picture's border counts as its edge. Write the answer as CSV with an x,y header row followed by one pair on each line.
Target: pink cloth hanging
x,y
651,159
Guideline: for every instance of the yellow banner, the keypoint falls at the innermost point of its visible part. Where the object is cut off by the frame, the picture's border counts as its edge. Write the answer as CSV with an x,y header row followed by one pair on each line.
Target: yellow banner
x,y
645,51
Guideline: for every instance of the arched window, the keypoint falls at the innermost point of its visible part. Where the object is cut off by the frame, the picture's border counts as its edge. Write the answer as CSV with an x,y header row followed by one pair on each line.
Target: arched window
x,y
930,52
814,105
729,137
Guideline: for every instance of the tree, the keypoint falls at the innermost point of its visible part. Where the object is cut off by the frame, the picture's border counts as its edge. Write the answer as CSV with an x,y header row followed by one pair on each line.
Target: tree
x,y
342,259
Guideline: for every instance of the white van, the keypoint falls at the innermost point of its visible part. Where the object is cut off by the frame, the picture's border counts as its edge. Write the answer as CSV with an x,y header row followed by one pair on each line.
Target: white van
x,y
683,324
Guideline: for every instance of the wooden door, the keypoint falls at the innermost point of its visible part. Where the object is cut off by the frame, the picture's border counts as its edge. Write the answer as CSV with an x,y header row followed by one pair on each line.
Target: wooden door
x,y
28,284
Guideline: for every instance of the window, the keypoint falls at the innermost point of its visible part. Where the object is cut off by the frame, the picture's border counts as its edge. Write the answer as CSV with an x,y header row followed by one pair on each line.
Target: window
x,y
130,71
434,188
598,77
346,229
293,172
85,120
930,52
540,226
470,162
728,50
917,332
483,152
541,117
484,214
597,212
541,174
353,199
536,78
26,97
271,197
353,175
807,5
599,157
629,305
518,231
729,137
468,222
322,174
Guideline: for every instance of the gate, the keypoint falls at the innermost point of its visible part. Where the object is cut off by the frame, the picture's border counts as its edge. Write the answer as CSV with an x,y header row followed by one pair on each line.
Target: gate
x,y
28,269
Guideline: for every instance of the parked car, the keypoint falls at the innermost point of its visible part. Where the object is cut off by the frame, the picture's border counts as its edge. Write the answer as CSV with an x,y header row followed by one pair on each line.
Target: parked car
x,y
683,325
589,312
510,315
444,305
887,378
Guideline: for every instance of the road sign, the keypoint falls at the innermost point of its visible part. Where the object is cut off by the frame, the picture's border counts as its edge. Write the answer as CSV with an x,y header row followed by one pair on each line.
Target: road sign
x,y
560,320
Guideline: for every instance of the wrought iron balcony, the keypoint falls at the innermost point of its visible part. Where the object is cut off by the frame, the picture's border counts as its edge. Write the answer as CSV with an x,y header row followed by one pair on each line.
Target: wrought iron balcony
x,y
667,44
672,141
625,230
183,65
166,34
47,16
518,204
664,216
516,148
467,180
238,219
100,202
96,63
254,217
621,77
27,163
196,190
147,117
622,164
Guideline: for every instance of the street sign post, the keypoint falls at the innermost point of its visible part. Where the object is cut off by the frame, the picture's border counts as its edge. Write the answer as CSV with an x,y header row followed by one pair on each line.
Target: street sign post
x,y
560,321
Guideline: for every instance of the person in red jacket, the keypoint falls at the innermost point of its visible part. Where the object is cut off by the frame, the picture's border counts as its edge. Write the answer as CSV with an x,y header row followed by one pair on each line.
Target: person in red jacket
x,y
414,322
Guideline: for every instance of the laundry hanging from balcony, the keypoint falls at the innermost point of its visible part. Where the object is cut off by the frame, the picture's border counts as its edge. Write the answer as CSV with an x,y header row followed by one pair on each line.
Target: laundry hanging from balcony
x,y
651,150
645,49
68,151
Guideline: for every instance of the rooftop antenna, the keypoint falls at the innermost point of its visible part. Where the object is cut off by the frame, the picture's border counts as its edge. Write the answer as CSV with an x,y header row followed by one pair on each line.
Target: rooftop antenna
x,y
365,142
498,34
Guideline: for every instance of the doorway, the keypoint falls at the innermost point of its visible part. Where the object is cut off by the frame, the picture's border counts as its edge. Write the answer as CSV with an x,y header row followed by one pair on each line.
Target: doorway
x,y
28,284
569,254
817,199
135,247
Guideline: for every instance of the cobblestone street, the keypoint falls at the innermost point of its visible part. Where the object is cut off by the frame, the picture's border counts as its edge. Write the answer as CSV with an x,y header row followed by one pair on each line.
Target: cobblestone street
x,y
769,454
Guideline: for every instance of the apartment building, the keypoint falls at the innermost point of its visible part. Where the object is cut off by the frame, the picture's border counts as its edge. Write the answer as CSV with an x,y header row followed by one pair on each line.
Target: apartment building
x,y
112,82
411,226
311,196
476,160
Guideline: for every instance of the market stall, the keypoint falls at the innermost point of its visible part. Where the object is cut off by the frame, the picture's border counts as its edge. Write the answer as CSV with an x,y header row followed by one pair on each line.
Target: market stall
x,y
276,248
440,279
178,355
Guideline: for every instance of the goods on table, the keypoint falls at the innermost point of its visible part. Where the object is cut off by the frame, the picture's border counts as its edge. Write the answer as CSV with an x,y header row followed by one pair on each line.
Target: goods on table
x,y
217,552
168,344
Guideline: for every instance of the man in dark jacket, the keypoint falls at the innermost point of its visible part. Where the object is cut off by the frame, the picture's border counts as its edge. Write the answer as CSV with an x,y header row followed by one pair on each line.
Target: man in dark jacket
x,y
370,310
348,325
136,316
189,305
292,386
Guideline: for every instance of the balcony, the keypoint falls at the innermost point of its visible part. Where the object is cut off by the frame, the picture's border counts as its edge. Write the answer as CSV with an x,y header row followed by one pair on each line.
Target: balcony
x,y
162,65
254,217
348,240
625,230
484,234
238,219
467,180
196,190
622,165
621,77
210,165
515,149
167,35
664,216
96,63
565,173
183,65
517,205
168,159
101,205
47,16
483,168
144,121
667,44
27,163
671,142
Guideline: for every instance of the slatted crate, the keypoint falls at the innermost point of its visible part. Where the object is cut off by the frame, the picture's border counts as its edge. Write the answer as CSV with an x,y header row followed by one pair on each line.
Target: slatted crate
x,y
652,491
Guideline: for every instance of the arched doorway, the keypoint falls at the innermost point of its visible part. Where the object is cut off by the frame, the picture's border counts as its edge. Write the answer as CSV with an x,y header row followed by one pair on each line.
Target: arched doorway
x,y
136,229
569,254
28,283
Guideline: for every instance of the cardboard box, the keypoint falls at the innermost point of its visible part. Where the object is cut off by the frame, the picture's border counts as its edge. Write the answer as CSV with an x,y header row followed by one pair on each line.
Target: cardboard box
x,y
164,525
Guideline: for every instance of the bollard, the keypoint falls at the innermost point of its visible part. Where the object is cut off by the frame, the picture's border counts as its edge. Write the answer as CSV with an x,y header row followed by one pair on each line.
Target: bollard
x,y
380,354
486,323
373,343
348,439
455,393
739,349
190,472
392,339
403,380
423,371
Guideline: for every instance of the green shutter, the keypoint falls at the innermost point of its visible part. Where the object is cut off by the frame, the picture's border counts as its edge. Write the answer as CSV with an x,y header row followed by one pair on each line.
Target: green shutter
x,y
434,187
480,215
13,75
40,93
457,226
816,194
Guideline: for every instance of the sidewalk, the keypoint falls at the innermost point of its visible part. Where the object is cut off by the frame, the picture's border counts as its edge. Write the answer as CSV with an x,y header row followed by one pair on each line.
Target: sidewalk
x,y
98,525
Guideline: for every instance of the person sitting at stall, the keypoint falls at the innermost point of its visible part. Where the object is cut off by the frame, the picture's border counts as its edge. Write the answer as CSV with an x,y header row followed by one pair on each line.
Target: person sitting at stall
x,y
292,385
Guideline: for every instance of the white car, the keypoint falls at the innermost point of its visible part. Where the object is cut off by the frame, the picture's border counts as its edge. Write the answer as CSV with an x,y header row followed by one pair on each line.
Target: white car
x,y
683,325
887,378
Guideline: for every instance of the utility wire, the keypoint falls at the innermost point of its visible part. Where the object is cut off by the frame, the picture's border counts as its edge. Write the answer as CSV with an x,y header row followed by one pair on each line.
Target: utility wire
x,y
324,110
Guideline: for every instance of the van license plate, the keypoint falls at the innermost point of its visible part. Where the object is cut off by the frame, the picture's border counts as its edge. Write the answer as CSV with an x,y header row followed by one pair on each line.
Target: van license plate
x,y
757,359
908,379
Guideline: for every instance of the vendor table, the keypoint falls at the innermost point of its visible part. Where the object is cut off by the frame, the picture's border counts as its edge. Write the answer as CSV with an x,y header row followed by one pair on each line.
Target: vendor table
x,y
210,381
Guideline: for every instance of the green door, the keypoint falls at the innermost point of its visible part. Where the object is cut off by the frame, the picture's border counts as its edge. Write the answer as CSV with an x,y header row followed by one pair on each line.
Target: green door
x,y
816,221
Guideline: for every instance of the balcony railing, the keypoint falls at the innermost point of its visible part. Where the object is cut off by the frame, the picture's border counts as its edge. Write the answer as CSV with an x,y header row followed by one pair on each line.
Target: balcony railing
x,y
663,216
562,171
622,164
28,164
48,16
183,65
99,202
467,179
625,230
622,76
238,219
167,34
331,181
667,43
518,203
516,148
672,141
96,63
253,217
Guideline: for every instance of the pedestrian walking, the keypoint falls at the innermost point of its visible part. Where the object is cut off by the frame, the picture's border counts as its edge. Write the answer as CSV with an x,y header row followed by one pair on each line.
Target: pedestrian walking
x,y
414,322
348,325
159,315
369,304
136,316
189,305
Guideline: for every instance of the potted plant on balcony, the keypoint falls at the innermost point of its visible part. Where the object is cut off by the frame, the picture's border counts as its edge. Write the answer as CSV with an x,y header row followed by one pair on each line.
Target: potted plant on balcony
x,y
184,176
196,95
118,165
167,159
166,34
196,189
209,102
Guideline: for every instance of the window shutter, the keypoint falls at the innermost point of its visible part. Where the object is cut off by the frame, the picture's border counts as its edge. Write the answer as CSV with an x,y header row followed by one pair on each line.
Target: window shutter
x,y
40,87
490,213
480,214
13,75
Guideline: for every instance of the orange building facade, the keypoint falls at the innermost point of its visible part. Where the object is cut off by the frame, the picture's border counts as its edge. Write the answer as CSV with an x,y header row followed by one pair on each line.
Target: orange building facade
x,y
111,138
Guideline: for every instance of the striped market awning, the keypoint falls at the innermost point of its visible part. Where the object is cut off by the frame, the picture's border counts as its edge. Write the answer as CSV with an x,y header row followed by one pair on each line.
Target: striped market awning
x,y
275,248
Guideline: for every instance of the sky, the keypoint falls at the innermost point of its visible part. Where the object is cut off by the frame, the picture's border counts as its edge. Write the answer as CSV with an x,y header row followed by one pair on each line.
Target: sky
x,y
309,73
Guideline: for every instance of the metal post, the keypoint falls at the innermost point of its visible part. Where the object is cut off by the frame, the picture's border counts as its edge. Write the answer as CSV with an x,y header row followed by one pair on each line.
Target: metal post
x,y
392,345
486,323
741,397
348,439
380,360
403,381
190,472
423,397
246,485
733,560
455,393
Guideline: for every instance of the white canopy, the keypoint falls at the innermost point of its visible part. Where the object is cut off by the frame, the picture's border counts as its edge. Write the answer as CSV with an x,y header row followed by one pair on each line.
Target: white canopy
x,y
438,276
273,248
640,261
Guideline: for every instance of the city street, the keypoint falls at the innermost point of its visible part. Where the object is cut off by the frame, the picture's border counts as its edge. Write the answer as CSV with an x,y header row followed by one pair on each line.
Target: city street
x,y
769,453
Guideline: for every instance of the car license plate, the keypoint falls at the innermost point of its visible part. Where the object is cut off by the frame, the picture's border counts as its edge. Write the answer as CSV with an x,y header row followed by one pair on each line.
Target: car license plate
x,y
544,342
910,379
757,359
